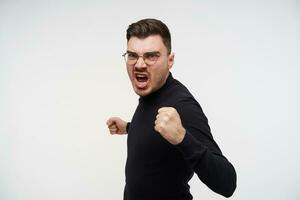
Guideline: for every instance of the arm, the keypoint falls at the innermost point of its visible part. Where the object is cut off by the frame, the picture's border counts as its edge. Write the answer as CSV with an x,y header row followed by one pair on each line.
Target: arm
x,y
202,153
186,127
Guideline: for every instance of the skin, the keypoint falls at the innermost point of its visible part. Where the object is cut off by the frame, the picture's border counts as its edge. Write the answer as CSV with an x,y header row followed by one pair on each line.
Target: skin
x,y
168,123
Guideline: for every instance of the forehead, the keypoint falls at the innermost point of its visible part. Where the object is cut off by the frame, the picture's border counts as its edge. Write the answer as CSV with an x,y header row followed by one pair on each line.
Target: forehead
x,y
148,44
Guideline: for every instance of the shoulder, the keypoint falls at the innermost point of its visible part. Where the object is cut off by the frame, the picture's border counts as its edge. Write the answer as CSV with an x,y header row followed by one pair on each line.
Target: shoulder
x,y
180,93
190,111
183,100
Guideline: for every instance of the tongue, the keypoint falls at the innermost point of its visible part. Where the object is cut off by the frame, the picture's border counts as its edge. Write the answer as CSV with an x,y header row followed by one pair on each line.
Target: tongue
x,y
141,82
142,79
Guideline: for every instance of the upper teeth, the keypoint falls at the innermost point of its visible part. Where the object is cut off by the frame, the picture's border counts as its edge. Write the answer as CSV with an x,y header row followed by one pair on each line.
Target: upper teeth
x,y
140,76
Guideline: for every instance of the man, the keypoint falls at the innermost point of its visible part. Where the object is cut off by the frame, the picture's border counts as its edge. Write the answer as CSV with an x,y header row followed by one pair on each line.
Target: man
x,y
168,137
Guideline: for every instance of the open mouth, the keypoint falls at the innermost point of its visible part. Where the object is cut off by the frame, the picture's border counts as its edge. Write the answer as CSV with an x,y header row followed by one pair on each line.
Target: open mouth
x,y
141,80
141,77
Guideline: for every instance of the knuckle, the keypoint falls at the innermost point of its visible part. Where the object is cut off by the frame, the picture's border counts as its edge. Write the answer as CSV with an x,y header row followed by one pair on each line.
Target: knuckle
x,y
159,127
173,110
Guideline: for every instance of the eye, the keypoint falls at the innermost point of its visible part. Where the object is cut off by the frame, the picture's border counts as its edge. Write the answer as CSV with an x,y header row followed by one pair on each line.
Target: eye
x,y
151,56
132,56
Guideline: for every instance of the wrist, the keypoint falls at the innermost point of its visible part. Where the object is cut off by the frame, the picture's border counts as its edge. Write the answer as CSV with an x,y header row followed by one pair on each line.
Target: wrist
x,y
181,135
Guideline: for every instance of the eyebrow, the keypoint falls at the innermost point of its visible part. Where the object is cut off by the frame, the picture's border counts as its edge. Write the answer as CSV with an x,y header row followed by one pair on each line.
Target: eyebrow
x,y
151,52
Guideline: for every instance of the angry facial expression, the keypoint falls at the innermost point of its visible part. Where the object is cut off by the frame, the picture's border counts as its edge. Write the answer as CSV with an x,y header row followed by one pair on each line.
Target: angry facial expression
x,y
147,79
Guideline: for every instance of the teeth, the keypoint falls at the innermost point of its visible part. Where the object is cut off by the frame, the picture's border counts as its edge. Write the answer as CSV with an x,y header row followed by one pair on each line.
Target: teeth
x,y
141,76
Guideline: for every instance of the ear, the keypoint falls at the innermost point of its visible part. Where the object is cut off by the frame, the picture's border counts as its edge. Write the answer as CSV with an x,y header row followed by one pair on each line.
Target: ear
x,y
171,60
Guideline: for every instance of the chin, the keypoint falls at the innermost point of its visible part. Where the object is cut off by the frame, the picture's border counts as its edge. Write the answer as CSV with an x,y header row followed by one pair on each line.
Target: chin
x,y
142,93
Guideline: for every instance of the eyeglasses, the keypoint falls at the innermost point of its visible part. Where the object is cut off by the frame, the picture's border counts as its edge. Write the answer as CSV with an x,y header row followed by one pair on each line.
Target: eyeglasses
x,y
149,58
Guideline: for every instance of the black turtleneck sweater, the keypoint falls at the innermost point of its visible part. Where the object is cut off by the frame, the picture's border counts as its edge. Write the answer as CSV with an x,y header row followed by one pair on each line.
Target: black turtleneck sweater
x,y
158,170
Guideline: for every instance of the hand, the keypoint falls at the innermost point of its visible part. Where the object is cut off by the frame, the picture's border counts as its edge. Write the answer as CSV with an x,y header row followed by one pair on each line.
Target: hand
x,y
116,125
168,124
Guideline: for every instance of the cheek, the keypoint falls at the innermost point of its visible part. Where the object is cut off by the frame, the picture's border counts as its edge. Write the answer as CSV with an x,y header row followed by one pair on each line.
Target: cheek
x,y
157,76
129,71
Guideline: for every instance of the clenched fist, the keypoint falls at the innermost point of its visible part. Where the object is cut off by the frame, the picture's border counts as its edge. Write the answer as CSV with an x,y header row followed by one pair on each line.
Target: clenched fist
x,y
168,124
116,125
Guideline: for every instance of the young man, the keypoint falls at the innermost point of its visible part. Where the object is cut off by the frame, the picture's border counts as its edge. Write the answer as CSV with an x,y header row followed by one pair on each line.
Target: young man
x,y
168,137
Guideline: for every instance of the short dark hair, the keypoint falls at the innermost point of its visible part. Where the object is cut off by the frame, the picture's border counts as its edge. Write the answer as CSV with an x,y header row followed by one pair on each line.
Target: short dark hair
x,y
146,27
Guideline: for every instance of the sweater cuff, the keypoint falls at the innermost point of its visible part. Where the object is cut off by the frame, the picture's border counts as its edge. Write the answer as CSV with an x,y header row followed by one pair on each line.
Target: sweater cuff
x,y
127,126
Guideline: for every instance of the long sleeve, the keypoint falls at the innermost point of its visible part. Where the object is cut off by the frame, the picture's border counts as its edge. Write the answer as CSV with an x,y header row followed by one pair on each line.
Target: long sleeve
x,y
202,153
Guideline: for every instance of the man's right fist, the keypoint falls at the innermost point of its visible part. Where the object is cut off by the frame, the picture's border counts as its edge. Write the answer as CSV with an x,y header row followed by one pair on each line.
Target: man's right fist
x,y
116,125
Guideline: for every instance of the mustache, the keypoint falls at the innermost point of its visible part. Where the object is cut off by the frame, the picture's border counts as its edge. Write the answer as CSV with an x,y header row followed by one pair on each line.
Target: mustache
x,y
139,70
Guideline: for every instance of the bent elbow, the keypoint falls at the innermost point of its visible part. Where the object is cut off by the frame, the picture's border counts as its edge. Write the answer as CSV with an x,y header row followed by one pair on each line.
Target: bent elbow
x,y
229,193
230,187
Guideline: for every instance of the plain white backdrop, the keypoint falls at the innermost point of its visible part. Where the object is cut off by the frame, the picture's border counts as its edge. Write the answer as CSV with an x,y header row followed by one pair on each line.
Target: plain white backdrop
x,y
62,76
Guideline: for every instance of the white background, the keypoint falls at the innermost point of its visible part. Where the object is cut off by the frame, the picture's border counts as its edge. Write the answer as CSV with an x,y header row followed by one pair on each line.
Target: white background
x,y
62,76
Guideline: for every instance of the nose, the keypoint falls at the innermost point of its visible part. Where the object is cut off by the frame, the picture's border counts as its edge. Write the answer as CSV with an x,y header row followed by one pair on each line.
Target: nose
x,y
140,63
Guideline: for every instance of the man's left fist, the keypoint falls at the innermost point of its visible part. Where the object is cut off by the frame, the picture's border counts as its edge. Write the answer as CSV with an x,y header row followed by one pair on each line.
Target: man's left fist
x,y
168,124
